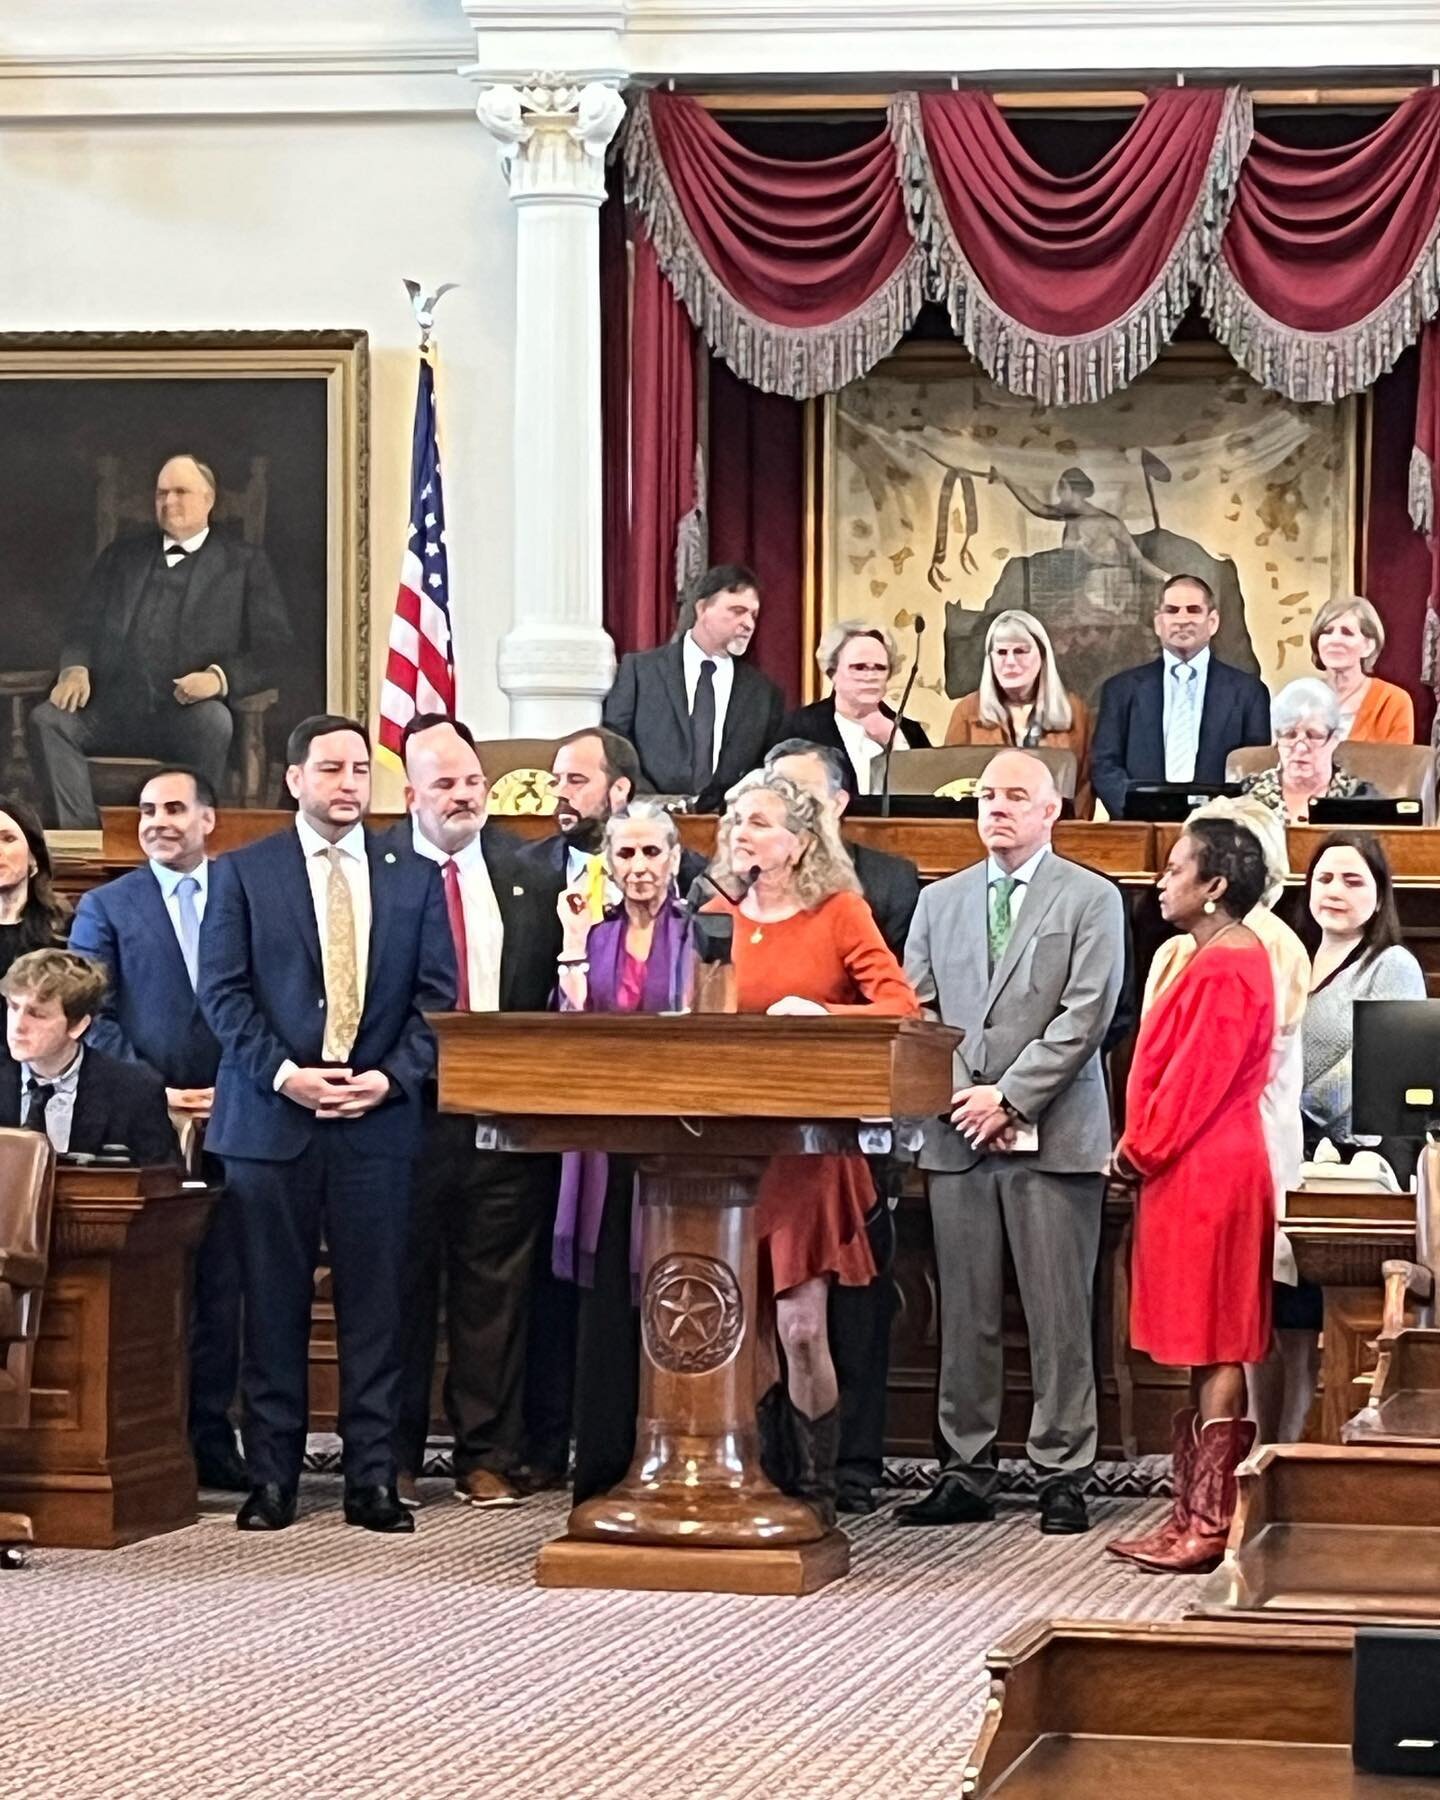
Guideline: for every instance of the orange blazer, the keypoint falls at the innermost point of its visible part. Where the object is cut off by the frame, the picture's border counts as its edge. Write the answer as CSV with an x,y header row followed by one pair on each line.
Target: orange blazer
x,y
1385,716
967,727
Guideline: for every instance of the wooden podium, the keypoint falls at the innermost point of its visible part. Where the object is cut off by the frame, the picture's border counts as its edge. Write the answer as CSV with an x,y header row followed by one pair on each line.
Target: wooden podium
x,y
702,1100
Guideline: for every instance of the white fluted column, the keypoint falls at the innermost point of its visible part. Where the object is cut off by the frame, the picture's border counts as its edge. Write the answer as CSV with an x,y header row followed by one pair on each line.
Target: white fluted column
x,y
556,662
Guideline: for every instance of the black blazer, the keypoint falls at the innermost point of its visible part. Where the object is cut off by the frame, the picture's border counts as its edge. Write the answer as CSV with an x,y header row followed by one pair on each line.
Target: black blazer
x,y
891,886
526,892
234,615
151,1014
1129,742
648,705
115,1103
816,724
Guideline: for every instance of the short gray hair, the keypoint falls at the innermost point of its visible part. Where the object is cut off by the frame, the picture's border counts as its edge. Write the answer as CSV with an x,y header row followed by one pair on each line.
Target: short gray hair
x,y
1306,698
648,812
827,651
1370,625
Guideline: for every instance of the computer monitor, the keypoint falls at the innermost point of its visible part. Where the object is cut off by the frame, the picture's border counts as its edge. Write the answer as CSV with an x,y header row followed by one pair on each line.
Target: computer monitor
x,y
1172,802
1366,809
1395,1086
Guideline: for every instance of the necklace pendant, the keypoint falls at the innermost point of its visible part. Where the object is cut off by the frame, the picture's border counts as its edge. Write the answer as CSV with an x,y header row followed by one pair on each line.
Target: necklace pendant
x,y
757,936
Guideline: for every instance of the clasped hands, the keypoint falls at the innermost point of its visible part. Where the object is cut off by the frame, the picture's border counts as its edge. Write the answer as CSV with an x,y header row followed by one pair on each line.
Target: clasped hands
x,y
71,693
980,1117
337,1093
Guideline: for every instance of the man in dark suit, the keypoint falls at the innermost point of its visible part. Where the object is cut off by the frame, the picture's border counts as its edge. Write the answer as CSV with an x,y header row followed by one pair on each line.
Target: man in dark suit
x,y
145,929
697,713
320,953
1179,718
477,1213
171,627
860,1317
80,1098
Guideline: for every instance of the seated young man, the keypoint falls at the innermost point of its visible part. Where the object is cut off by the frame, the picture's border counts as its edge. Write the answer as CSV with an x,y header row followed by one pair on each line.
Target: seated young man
x,y
80,1098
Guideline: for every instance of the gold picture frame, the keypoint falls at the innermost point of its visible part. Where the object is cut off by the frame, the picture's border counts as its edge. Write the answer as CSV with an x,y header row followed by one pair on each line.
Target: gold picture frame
x,y
930,490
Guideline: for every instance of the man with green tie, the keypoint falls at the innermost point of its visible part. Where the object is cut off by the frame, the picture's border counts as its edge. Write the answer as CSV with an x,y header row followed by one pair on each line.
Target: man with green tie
x,y
1025,952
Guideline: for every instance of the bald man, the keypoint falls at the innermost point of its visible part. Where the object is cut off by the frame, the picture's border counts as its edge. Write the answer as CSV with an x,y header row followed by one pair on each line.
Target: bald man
x,y
173,627
1025,952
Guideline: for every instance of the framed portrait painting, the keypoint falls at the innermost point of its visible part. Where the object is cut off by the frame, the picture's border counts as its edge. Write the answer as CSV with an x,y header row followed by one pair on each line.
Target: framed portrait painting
x,y
941,495
277,421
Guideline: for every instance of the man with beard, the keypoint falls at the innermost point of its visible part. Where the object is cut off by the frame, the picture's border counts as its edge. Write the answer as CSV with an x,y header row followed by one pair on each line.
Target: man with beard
x,y
477,1213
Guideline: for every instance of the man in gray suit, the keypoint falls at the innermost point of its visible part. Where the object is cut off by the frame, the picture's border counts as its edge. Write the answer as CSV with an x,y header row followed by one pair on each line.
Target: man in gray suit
x,y
1025,952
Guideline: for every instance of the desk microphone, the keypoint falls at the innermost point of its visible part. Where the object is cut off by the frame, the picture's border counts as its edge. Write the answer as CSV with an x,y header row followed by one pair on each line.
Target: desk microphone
x,y
899,715
747,881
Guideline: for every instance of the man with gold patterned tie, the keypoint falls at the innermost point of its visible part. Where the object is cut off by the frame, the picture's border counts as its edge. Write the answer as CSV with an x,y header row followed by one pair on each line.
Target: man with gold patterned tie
x,y
320,953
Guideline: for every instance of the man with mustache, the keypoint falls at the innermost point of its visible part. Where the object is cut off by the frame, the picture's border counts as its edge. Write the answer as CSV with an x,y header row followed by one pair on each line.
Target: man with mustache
x,y
145,930
477,1214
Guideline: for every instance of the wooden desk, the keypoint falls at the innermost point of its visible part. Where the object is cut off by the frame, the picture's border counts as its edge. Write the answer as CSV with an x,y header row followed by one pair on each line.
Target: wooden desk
x,y
106,1459
1330,1532
1340,1242
1095,1711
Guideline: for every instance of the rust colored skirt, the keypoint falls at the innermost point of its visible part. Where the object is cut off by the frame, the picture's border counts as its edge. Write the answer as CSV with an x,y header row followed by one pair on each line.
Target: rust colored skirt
x,y
811,1220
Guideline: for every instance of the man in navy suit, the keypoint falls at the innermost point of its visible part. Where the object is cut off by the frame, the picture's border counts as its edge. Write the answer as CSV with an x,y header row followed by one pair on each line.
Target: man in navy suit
x,y
1179,718
145,929
320,953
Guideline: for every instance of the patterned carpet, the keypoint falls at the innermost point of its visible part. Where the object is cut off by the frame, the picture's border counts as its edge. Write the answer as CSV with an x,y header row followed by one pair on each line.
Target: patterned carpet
x,y
327,1664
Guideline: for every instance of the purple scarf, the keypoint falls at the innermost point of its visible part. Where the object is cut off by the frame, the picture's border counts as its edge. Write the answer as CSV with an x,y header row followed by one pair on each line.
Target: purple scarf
x,y
584,1174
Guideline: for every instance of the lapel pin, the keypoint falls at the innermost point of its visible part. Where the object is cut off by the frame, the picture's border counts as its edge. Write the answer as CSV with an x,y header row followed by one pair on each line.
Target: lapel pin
x,y
517,891
389,856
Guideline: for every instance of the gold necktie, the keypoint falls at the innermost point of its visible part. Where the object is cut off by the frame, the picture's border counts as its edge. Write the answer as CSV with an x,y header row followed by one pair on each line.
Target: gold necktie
x,y
342,976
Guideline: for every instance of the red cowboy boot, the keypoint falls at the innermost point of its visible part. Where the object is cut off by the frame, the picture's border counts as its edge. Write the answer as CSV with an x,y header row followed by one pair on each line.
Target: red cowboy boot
x,y
1177,1520
1223,1445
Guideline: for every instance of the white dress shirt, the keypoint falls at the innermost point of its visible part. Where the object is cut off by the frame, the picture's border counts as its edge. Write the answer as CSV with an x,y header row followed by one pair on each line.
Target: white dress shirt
x,y
356,868
862,750
724,679
174,546
60,1110
1022,877
484,928
1200,663
170,880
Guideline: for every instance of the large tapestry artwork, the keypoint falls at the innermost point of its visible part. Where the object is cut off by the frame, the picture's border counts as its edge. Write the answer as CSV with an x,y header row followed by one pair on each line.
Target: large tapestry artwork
x,y
946,497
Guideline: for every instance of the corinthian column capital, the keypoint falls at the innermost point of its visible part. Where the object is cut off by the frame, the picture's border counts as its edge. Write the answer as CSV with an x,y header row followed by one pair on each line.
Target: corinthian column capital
x,y
553,135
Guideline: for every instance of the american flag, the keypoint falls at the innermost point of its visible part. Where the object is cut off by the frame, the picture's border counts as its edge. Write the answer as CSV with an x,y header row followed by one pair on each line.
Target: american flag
x,y
420,671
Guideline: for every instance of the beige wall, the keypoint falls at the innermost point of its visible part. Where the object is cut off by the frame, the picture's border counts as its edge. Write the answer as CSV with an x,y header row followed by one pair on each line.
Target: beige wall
x,y
213,223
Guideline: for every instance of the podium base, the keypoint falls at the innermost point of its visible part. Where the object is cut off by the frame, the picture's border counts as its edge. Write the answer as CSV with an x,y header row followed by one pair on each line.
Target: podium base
x,y
656,1568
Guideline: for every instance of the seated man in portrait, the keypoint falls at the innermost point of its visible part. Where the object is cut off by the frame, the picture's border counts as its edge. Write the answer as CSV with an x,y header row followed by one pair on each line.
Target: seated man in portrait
x,y
80,1098
173,626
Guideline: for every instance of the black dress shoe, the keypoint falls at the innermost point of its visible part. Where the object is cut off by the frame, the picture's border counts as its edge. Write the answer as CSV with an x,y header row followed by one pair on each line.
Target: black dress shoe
x,y
377,1509
1062,1510
269,1508
220,1466
952,1501
856,1500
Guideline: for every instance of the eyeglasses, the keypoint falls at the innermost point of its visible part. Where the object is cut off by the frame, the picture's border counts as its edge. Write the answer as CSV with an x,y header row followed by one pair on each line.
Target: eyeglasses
x,y
867,668
1313,738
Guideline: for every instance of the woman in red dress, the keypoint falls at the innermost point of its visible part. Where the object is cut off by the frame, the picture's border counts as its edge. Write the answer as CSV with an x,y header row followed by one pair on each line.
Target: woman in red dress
x,y
805,942
1204,1219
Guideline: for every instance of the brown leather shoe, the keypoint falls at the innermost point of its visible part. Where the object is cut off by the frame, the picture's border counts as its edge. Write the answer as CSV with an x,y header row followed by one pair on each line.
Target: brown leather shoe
x,y
406,1488
1176,1521
1222,1445
483,1487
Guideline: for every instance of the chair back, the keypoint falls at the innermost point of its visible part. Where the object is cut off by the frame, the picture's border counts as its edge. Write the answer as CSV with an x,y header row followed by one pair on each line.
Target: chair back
x,y
518,770
937,770
1250,759
125,500
1427,1228
27,1198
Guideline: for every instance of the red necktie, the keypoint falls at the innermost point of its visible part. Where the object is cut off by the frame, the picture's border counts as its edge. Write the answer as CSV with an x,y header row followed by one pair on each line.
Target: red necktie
x,y
453,906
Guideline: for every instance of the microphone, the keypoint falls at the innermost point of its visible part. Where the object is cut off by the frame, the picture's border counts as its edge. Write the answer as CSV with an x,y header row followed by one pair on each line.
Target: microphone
x,y
706,879
899,715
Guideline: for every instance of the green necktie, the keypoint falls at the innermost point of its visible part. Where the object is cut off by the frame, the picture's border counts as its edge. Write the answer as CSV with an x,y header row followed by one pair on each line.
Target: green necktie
x,y
1001,890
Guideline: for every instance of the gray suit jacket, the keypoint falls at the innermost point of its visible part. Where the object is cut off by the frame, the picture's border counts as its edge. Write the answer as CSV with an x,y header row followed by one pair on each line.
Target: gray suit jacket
x,y
1035,1027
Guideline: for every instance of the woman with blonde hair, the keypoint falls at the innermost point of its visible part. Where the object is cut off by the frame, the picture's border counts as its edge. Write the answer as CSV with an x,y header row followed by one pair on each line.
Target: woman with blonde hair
x,y
859,660
1346,638
805,942
1022,701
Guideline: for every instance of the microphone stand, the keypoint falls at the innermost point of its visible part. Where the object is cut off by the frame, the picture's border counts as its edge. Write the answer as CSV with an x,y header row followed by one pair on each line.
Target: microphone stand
x,y
899,715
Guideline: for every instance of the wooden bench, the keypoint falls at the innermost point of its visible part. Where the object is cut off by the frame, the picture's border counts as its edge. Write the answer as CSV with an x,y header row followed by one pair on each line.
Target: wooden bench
x,y
1404,1403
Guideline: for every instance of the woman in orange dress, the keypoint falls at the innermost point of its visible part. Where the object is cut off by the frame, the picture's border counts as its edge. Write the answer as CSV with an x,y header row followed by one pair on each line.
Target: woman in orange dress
x,y
805,942
1195,1141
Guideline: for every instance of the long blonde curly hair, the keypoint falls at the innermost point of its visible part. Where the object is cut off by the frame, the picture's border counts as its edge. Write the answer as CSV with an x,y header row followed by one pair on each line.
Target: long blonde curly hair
x,y
824,867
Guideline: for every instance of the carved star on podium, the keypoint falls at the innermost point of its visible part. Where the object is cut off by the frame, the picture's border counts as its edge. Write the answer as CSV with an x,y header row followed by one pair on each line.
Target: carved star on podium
x,y
690,1313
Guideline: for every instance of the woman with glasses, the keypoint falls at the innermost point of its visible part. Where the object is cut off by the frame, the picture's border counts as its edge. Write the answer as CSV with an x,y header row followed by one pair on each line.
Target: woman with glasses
x,y
1305,718
859,661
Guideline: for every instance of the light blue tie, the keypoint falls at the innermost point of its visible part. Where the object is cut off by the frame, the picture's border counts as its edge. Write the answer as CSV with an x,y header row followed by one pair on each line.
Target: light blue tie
x,y
1181,739
186,889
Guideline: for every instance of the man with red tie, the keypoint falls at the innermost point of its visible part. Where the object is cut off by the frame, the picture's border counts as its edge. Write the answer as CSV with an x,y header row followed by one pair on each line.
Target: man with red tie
x,y
477,1213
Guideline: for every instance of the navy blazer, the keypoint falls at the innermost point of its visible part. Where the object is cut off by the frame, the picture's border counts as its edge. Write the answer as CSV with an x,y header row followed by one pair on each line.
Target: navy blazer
x,y
116,1102
1129,743
151,1014
262,989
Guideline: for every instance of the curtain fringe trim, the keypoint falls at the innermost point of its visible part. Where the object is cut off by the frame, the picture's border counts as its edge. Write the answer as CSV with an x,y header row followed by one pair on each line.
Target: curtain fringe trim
x,y
692,534
797,361
1430,662
1323,366
1422,492
1060,371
